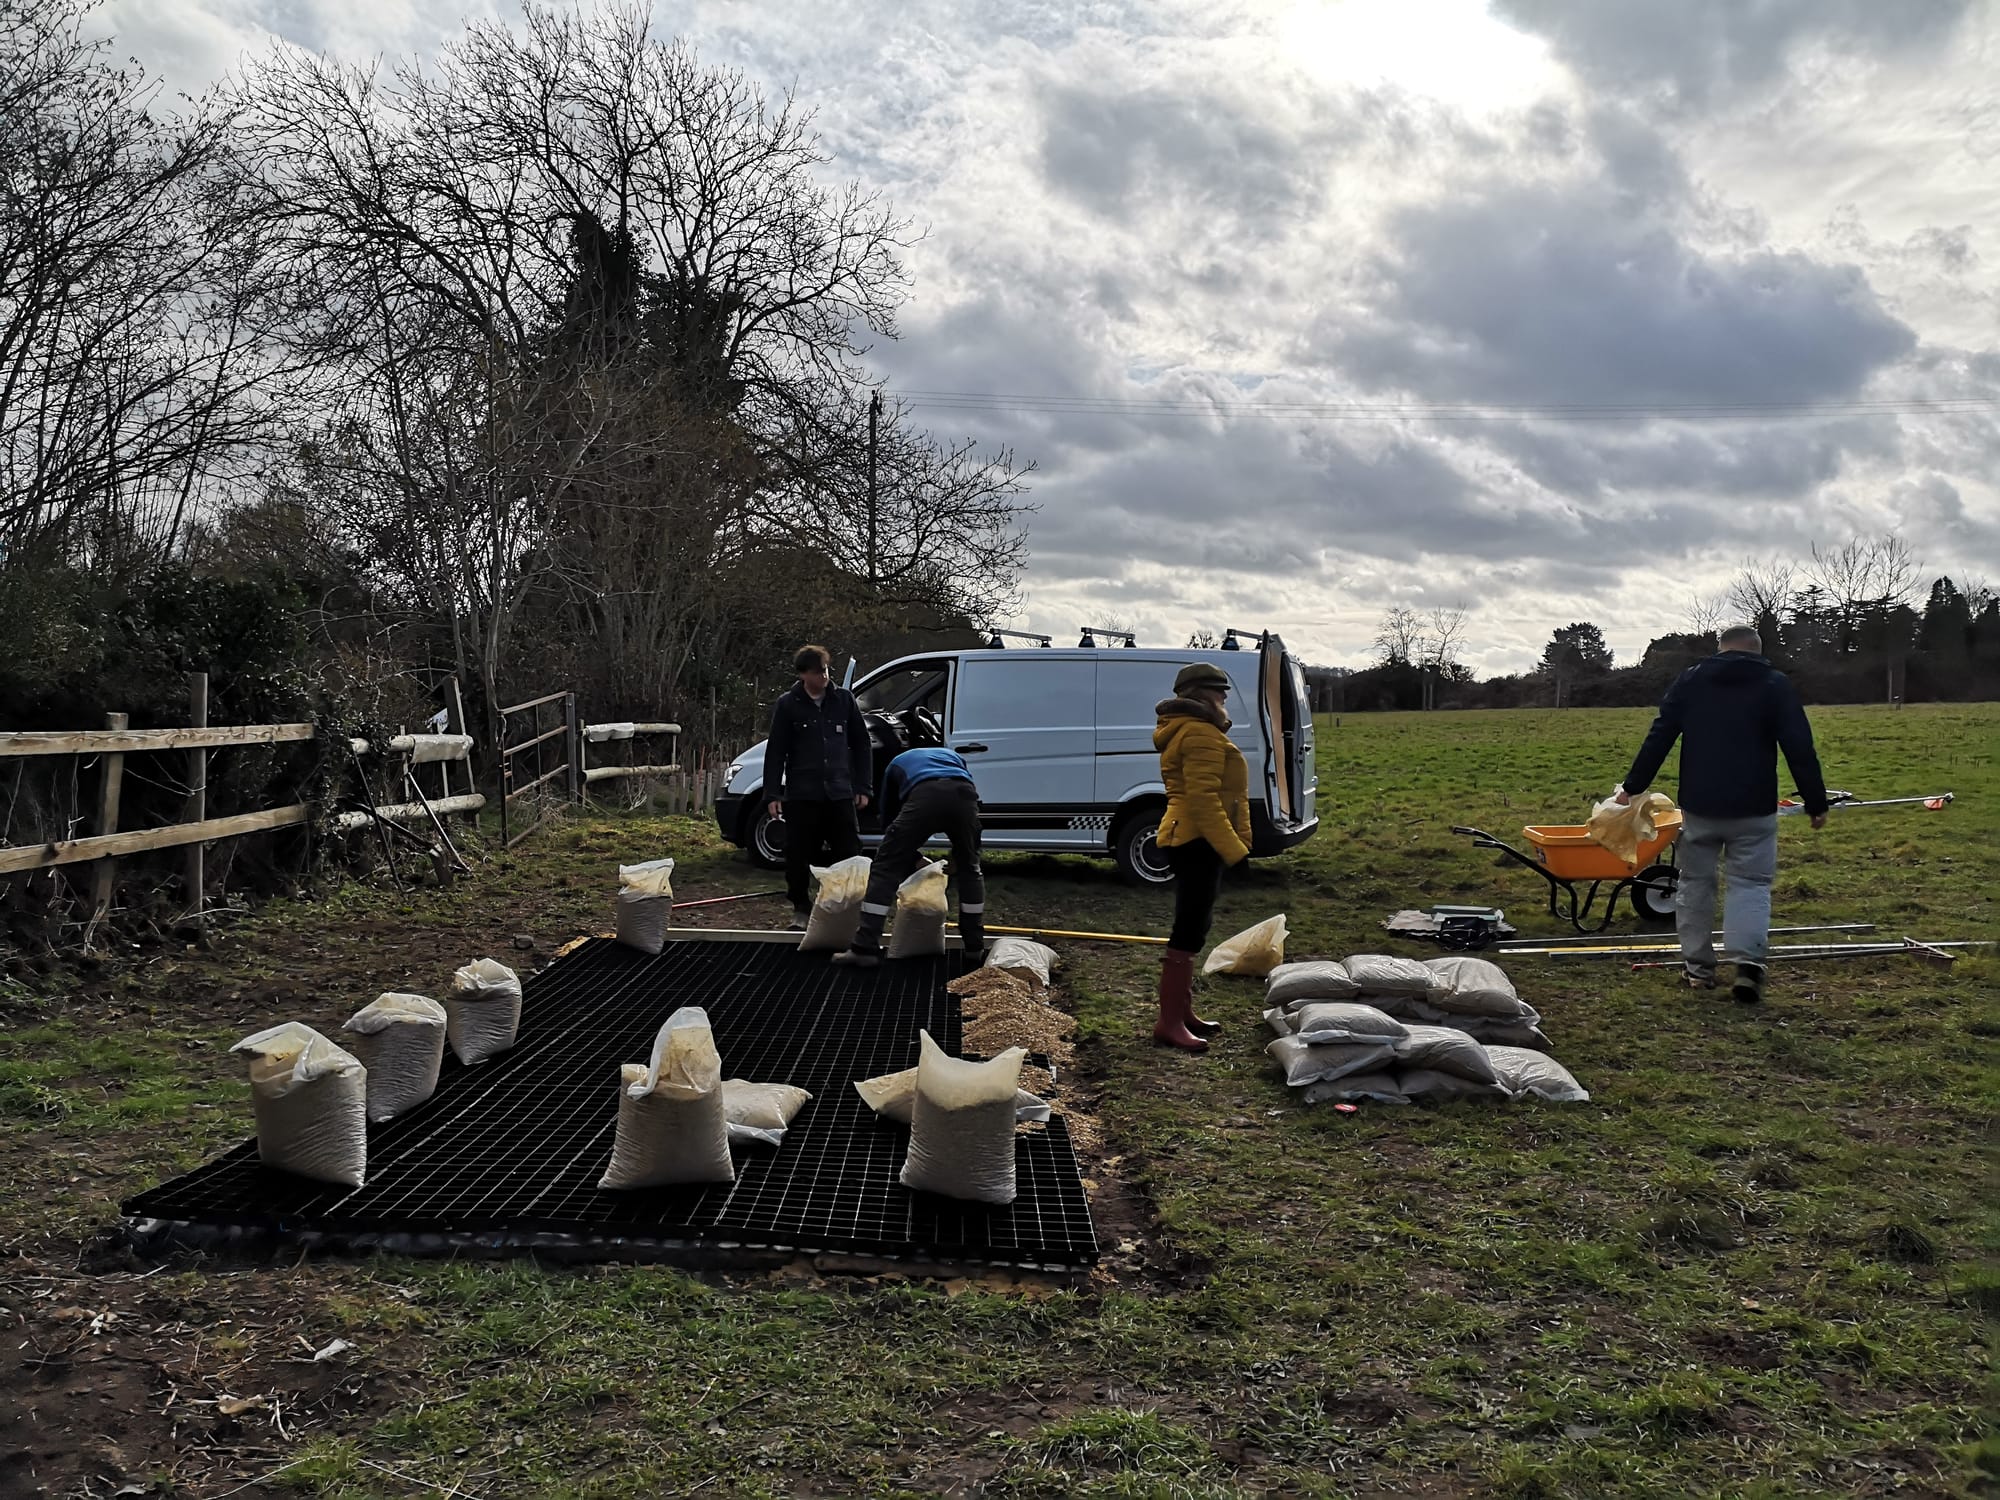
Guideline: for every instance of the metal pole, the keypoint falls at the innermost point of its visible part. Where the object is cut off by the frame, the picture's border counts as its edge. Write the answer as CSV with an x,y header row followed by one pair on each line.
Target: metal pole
x,y
1519,945
874,416
197,874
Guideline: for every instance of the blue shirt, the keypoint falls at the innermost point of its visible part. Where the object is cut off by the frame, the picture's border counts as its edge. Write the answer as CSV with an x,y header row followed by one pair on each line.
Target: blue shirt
x,y
912,767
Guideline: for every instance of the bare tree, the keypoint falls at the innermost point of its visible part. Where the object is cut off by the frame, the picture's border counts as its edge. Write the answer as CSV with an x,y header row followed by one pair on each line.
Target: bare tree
x,y
1440,647
1761,593
1399,636
1704,613
1204,639
127,365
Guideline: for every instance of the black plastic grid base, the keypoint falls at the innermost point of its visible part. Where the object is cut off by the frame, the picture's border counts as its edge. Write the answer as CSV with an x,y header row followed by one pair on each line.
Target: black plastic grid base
x,y
517,1144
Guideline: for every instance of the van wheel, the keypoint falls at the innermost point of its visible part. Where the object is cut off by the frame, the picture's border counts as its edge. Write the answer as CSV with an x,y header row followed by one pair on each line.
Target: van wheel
x,y
767,839
1140,858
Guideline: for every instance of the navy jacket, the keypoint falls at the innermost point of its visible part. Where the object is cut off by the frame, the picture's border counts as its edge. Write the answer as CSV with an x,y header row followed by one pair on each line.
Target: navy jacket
x,y
818,752
914,767
1732,714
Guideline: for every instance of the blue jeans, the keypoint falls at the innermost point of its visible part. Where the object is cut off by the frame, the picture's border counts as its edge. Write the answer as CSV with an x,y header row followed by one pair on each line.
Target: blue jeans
x,y
1745,850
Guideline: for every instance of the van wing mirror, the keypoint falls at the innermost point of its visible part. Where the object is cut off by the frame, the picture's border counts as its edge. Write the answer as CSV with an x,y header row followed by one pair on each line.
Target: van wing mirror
x,y
848,680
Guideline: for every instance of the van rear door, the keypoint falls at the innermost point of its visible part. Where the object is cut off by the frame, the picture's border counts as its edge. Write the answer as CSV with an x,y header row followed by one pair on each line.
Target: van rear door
x,y
1291,780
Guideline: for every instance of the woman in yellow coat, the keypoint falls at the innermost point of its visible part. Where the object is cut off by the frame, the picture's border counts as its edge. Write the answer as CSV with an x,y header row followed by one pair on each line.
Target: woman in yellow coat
x,y
1206,829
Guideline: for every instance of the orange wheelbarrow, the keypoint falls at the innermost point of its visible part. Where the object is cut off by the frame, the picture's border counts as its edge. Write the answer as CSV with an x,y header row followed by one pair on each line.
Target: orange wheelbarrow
x,y
1566,857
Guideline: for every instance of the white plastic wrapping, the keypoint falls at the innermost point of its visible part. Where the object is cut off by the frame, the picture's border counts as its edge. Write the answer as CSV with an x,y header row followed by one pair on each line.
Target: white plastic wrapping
x,y
1313,979
482,1013
760,1112
1023,957
311,1103
429,749
921,908
1523,1072
962,1128
893,1096
1305,1064
672,1122
399,1039
836,912
1255,951
1349,1021
644,909
597,734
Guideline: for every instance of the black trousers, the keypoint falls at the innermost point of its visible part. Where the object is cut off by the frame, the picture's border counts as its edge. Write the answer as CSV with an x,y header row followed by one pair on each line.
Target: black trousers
x,y
813,826
950,806
1197,882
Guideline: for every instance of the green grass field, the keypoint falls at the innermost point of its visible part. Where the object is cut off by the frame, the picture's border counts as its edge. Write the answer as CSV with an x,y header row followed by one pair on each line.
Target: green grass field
x,y
1759,1263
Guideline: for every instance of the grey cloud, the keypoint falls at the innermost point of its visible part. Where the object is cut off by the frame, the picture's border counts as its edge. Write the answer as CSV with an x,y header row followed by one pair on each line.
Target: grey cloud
x,y
1562,294
1688,53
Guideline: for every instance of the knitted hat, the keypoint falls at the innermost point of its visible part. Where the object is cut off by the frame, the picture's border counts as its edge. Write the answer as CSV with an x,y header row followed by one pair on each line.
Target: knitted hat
x,y
1200,674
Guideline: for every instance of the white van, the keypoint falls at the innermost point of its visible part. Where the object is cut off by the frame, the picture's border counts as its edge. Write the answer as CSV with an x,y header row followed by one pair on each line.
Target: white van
x,y
1061,745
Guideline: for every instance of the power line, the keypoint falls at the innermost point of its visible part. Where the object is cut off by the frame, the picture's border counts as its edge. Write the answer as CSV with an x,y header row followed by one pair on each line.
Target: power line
x,y
1407,411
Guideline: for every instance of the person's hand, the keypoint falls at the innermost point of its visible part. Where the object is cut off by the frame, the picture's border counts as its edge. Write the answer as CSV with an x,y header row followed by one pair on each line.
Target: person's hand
x,y
1819,820
775,808
1622,797
860,801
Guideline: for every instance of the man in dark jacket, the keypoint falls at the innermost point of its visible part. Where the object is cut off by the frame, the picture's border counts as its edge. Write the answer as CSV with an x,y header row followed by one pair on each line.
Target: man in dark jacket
x,y
1732,714
817,772
926,792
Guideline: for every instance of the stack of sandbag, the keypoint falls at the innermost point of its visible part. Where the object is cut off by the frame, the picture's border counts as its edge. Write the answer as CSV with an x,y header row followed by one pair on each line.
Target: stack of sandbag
x,y
836,910
1390,1029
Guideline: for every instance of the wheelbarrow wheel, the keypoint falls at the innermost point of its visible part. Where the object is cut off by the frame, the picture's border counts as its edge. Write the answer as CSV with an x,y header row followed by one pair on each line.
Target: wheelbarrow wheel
x,y
1653,890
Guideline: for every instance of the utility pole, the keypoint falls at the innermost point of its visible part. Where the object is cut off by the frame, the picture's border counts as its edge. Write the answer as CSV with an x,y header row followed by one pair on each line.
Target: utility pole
x,y
874,416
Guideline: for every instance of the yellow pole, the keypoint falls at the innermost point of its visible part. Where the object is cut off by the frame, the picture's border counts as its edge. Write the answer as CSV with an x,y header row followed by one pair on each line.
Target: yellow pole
x,y
1055,932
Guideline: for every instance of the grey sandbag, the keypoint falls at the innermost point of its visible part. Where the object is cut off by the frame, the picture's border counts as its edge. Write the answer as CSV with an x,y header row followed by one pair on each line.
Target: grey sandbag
x,y
1386,974
1378,1088
1523,1072
1444,1049
1344,1021
1308,980
1474,987
1429,1083
1305,1064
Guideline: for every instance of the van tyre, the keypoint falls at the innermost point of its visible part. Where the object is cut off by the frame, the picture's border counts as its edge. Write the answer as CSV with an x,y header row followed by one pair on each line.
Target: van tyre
x,y
767,838
1140,858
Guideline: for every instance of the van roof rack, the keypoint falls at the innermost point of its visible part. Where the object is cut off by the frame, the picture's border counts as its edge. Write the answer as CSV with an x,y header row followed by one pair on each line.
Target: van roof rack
x,y
1092,632
1231,643
997,639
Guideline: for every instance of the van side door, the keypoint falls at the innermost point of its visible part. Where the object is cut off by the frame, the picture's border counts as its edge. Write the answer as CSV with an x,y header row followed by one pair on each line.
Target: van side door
x,y
1026,725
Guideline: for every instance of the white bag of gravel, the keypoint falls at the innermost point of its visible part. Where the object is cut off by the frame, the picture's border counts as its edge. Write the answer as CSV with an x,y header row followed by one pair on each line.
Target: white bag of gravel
x,y
644,910
962,1126
1255,951
672,1125
1304,1064
311,1103
1386,974
921,909
482,1014
1523,1072
760,1111
400,1041
836,912
893,1096
1030,960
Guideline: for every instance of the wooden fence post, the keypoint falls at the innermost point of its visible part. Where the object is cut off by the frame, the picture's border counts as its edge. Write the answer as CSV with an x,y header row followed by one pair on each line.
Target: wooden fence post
x,y
197,874
108,787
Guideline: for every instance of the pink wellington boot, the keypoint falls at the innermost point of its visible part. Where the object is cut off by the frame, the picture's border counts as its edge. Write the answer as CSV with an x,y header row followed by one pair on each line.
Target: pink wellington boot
x,y
1177,1003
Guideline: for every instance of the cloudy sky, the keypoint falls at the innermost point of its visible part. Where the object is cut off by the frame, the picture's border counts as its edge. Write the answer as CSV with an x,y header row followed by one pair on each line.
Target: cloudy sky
x,y
1561,309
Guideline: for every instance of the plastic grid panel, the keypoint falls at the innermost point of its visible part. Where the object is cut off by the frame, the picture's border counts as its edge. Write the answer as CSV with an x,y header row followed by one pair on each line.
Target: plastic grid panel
x,y
518,1143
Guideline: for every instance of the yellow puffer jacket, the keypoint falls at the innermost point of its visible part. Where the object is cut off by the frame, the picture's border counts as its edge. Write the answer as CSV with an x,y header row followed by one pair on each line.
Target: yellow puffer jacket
x,y
1208,783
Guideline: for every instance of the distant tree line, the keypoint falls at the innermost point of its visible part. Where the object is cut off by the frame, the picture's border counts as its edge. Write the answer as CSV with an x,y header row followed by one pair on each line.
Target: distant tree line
x,y
1850,624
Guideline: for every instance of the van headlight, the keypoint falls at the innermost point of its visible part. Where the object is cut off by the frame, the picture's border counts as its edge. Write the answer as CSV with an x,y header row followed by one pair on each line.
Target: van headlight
x,y
735,768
